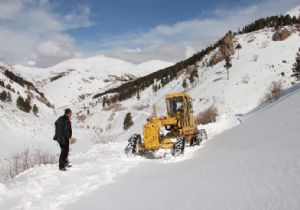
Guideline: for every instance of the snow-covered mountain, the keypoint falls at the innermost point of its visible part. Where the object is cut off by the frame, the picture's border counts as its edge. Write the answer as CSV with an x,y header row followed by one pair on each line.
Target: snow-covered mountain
x,y
78,78
252,150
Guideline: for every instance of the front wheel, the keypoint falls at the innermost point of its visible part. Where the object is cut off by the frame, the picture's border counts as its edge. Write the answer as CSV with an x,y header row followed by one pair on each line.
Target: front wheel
x,y
201,136
179,146
132,147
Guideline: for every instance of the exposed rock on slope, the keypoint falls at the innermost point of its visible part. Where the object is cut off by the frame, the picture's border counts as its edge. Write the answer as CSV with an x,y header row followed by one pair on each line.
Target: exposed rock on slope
x,y
226,49
281,34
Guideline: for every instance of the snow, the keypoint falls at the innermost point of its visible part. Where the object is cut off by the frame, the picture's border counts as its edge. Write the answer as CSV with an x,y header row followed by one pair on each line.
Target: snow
x,y
294,12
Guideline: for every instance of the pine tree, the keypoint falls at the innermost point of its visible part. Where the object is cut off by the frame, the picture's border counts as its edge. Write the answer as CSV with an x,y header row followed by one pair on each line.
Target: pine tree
x,y
127,121
104,101
35,109
154,88
23,105
238,47
184,84
8,86
2,83
3,96
296,66
9,99
192,76
227,66
138,96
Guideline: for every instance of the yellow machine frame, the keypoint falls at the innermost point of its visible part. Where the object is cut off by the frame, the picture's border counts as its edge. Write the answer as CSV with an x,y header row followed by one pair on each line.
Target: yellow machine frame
x,y
179,122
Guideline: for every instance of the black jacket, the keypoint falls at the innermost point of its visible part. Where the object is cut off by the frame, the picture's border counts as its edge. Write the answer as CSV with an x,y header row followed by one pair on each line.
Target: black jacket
x,y
63,130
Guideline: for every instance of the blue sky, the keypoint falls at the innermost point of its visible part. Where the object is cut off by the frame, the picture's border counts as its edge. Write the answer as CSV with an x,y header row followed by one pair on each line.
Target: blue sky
x,y
115,17
44,32
112,17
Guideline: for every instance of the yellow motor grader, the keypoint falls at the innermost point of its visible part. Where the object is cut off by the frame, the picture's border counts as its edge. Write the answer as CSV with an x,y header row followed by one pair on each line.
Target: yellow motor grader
x,y
172,132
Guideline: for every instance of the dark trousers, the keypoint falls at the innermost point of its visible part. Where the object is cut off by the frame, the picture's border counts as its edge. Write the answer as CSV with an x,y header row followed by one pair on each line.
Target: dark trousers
x,y
64,152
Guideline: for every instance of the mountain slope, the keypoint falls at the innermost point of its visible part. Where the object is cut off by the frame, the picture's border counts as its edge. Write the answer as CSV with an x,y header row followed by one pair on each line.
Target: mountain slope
x,y
20,130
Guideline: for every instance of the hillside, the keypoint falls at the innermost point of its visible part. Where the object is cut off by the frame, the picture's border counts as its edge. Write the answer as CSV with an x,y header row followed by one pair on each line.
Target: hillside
x,y
20,129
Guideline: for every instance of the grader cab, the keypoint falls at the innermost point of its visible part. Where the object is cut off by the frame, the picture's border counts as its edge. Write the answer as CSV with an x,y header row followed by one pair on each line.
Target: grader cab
x,y
172,132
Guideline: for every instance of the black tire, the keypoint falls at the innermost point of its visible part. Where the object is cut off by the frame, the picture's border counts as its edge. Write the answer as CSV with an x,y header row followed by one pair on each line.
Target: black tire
x,y
179,146
132,147
201,136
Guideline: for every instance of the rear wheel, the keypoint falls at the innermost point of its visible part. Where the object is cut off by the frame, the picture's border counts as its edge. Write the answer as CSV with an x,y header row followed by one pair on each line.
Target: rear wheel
x,y
132,147
201,136
179,146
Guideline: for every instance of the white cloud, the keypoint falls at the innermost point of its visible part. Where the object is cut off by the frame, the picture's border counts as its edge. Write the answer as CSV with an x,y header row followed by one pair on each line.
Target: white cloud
x,y
9,9
57,46
30,30
189,51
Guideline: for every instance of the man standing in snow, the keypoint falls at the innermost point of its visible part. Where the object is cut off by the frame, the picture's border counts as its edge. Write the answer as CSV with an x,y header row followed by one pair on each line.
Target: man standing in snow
x,y
63,132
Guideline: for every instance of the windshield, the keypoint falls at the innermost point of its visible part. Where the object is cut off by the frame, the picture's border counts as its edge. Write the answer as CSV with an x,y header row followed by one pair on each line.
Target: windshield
x,y
175,105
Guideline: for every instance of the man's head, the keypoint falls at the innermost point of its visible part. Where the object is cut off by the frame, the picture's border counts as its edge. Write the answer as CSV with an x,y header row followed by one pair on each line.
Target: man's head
x,y
68,113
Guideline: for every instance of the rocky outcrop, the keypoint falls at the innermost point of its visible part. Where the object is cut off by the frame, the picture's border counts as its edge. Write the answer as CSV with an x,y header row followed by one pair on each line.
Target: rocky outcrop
x,y
281,34
226,49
